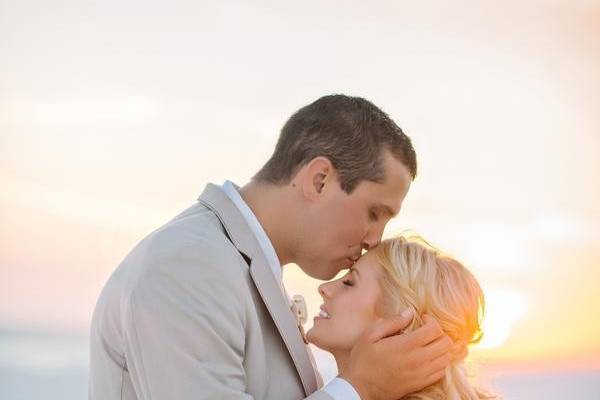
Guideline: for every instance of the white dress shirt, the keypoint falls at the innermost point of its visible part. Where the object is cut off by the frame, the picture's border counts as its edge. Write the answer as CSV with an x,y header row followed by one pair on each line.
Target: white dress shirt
x,y
338,388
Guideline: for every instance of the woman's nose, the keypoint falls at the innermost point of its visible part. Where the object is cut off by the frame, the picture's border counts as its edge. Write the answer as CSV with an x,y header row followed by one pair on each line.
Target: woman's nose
x,y
324,290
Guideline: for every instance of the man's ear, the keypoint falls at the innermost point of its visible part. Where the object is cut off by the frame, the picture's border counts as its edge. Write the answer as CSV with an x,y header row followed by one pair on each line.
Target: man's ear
x,y
318,173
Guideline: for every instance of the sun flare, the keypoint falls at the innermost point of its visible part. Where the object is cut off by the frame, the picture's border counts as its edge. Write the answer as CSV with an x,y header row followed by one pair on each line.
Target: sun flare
x,y
502,309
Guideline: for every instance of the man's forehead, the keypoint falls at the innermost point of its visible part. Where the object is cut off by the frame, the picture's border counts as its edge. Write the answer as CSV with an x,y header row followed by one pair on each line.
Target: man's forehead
x,y
388,198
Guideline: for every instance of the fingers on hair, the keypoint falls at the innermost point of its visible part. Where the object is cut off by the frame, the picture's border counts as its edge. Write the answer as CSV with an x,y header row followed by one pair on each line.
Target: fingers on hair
x,y
388,327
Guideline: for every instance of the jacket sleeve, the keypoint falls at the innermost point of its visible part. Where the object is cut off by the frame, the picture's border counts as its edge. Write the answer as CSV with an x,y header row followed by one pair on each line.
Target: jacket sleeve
x,y
184,328
320,395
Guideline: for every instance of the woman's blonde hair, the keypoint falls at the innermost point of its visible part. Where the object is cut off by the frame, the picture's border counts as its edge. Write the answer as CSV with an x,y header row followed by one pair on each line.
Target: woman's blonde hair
x,y
420,277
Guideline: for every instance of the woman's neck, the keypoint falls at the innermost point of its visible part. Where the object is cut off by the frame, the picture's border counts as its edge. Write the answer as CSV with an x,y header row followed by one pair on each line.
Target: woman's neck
x,y
342,359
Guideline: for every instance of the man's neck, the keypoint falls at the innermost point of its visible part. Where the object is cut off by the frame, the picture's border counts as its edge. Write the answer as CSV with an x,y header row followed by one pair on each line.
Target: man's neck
x,y
267,202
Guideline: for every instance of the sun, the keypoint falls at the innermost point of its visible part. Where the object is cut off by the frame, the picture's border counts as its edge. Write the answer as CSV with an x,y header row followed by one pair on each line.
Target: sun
x,y
502,309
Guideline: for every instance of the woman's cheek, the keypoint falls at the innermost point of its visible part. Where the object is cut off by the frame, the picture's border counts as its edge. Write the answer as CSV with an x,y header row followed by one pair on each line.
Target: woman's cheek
x,y
353,331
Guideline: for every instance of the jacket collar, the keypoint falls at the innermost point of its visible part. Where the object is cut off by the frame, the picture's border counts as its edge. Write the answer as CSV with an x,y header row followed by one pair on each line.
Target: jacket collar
x,y
244,240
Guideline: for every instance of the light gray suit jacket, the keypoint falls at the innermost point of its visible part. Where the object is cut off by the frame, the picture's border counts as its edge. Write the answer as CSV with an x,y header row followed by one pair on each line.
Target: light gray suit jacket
x,y
194,312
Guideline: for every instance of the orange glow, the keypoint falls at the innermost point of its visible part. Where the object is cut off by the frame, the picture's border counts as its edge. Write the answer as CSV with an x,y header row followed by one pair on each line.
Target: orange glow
x,y
99,145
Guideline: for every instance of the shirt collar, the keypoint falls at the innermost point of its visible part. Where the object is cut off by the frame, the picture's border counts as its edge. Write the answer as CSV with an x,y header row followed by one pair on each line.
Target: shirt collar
x,y
231,190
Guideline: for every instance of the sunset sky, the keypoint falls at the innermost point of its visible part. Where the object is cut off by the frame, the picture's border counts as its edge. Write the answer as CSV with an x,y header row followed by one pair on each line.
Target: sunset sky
x,y
113,117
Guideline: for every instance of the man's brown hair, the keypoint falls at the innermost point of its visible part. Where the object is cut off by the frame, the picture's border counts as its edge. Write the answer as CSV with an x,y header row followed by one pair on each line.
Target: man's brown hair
x,y
350,131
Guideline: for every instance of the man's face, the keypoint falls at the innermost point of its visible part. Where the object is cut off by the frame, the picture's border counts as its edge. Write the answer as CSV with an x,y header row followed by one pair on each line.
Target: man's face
x,y
340,225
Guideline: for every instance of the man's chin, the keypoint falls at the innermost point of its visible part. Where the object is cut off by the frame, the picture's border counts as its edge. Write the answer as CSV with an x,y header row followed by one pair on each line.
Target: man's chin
x,y
320,272
329,274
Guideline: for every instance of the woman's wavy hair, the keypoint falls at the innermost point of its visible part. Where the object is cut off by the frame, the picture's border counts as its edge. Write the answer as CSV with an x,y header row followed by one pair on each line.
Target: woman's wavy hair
x,y
420,277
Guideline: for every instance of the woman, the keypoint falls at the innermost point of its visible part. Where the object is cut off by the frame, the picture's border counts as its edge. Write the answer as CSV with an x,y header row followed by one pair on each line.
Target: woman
x,y
403,273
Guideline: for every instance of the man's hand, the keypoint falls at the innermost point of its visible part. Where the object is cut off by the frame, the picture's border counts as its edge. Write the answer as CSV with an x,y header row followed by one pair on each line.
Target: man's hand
x,y
387,364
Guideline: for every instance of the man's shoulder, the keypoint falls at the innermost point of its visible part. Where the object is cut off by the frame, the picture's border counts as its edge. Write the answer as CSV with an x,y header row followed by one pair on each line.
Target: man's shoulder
x,y
192,243
188,260
196,227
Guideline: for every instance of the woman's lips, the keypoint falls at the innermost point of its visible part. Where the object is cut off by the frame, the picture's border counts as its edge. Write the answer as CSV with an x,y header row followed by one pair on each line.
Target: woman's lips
x,y
323,314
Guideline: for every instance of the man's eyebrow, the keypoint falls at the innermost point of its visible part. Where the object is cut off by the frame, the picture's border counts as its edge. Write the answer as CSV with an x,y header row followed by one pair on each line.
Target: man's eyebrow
x,y
387,209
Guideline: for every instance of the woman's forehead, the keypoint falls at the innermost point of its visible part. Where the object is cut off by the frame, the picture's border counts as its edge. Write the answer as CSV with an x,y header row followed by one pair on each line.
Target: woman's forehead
x,y
367,267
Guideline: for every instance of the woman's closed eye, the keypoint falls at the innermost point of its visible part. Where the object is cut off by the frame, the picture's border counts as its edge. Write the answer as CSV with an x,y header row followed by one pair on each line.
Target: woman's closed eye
x,y
348,282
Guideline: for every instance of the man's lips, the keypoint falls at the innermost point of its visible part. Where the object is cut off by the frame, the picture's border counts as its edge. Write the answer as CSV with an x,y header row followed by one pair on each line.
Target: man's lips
x,y
350,260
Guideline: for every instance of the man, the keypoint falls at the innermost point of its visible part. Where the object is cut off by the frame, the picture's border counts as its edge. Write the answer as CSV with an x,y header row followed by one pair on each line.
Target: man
x,y
197,310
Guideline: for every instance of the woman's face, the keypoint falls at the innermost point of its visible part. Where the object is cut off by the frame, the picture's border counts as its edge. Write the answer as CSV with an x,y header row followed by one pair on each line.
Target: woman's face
x,y
348,308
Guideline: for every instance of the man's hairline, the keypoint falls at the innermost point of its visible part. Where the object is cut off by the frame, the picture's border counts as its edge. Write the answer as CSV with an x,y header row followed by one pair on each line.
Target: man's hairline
x,y
297,169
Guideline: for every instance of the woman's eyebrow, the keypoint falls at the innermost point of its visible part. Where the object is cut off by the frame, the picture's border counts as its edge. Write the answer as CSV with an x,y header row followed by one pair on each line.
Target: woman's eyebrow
x,y
352,269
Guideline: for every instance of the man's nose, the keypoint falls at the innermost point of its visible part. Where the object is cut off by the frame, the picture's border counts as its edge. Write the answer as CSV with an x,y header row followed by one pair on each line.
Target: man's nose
x,y
368,245
372,238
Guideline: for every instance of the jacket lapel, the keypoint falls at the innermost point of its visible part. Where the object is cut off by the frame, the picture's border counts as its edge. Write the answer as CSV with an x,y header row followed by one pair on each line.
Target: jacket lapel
x,y
244,240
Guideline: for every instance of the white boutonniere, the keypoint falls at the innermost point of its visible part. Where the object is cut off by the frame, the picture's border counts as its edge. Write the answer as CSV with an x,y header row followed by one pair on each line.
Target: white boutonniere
x,y
298,307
